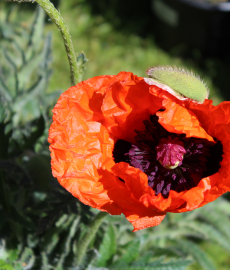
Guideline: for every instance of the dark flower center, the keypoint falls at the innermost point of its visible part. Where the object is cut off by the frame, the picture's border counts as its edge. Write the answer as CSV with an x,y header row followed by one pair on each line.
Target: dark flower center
x,y
170,160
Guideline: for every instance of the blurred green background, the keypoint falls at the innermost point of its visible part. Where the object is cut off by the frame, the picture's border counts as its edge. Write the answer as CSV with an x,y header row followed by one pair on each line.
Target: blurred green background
x,y
115,36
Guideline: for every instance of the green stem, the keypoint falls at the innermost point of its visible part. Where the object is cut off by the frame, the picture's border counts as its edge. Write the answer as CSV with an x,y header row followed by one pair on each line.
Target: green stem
x,y
58,20
87,238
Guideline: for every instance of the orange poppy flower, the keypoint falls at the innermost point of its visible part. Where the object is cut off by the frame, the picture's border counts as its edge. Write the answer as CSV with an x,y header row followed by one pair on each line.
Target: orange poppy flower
x,y
123,146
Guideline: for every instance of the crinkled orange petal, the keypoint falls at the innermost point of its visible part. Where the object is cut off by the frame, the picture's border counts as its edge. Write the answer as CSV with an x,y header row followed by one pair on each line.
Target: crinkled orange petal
x,y
216,120
126,105
91,116
137,183
178,119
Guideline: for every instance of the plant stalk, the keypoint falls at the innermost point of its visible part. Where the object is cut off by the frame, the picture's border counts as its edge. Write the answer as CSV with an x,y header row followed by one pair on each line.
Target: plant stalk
x,y
58,20
87,238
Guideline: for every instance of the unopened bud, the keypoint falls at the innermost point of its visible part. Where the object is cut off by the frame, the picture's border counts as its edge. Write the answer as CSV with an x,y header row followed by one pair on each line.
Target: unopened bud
x,y
179,82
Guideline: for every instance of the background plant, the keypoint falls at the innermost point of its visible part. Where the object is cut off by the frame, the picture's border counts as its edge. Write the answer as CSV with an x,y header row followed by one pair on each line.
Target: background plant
x,y
42,226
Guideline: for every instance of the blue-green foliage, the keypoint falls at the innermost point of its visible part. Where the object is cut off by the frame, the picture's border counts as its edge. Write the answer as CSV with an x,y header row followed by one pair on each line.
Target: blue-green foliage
x,y
24,75
42,226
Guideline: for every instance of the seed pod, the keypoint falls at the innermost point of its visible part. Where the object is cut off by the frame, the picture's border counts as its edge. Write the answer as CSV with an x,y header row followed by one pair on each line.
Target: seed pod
x,y
178,82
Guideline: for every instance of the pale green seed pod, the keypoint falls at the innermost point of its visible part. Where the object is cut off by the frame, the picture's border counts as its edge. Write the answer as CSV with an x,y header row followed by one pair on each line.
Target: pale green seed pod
x,y
178,82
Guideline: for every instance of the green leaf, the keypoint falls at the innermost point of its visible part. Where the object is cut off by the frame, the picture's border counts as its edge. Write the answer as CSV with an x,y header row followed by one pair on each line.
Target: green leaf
x,y
81,60
172,265
27,70
13,82
45,261
37,29
12,255
107,247
4,91
169,251
51,98
27,258
199,255
158,265
35,135
217,219
132,252
222,206
44,65
143,260
67,247
209,232
5,266
83,244
50,240
22,108
173,233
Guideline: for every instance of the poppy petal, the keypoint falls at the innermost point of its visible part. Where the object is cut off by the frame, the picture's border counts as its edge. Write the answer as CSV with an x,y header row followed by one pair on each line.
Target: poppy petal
x,y
90,117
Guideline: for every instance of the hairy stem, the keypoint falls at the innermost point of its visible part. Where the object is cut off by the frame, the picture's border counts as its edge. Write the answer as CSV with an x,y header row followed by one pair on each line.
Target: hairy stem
x,y
58,20
85,241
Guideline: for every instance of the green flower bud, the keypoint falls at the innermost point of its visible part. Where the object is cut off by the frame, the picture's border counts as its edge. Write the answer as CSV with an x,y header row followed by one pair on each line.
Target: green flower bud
x,y
178,82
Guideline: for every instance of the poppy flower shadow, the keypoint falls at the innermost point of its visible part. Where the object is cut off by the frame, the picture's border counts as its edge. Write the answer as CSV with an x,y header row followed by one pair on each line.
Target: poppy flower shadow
x,y
117,192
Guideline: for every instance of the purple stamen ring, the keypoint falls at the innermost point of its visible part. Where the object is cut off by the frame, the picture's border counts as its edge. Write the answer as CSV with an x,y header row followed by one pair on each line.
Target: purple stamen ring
x,y
171,161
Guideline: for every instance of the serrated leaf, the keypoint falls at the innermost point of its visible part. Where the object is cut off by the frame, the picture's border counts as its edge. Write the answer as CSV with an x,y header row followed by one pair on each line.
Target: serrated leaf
x,y
132,252
36,89
7,29
223,206
51,98
84,242
170,251
37,29
209,232
90,256
67,248
50,240
158,261
27,70
172,265
218,220
11,81
46,53
4,91
36,134
199,255
143,260
107,247
175,233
